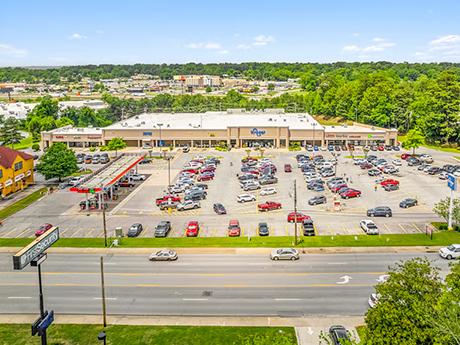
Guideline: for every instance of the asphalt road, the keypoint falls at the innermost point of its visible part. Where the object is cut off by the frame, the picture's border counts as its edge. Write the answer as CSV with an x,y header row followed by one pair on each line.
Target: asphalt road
x,y
224,285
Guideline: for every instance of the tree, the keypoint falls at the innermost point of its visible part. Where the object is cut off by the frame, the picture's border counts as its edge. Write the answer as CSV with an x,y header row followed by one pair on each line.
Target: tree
x,y
116,144
406,305
414,139
442,209
208,89
271,87
58,161
10,133
255,88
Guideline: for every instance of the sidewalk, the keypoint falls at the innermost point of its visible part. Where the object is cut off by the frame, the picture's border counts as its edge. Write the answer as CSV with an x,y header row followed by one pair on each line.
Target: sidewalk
x,y
19,195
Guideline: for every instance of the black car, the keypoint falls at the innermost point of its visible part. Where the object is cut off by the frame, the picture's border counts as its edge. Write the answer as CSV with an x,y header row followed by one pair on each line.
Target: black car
x,y
201,185
379,211
163,228
370,158
337,333
263,229
409,202
146,161
318,199
135,230
390,187
219,209
449,168
196,195
337,148
388,147
105,154
308,229
315,184
434,170
373,172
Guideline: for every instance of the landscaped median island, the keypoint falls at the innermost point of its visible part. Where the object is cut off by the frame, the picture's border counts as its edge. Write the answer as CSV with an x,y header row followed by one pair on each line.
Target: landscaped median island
x,y
57,334
19,205
443,238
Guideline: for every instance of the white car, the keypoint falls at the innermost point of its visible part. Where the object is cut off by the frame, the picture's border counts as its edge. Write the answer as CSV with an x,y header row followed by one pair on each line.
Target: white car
x,y
427,168
426,158
457,173
451,252
252,185
322,148
195,165
328,173
312,177
268,191
201,158
369,227
324,165
188,205
373,300
390,169
187,174
138,177
265,160
358,161
443,176
397,162
245,197
178,188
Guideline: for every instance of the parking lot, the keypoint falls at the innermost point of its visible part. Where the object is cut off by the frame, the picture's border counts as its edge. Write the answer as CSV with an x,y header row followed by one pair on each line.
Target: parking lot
x,y
139,205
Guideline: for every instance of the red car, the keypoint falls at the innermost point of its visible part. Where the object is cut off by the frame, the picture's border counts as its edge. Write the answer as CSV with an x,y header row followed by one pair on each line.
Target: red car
x,y
287,168
336,187
273,167
171,198
405,156
381,148
197,161
234,228
204,177
269,205
44,228
350,193
192,229
253,171
208,169
190,170
351,147
300,216
389,181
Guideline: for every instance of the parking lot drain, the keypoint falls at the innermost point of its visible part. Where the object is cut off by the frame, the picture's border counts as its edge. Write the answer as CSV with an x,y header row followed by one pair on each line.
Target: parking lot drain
x,y
207,293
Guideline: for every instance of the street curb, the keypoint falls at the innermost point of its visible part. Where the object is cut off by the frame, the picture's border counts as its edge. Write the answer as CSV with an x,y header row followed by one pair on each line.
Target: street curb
x,y
232,251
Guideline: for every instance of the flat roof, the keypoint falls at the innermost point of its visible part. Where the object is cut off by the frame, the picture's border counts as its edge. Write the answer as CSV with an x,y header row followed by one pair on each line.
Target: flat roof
x,y
216,120
354,129
70,130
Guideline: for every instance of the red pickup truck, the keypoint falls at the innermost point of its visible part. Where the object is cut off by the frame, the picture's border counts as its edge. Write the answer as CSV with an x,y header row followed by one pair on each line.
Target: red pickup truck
x,y
171,198
269,205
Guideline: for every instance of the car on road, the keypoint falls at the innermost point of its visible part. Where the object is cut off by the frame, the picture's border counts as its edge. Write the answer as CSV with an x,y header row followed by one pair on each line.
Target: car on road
x,y
44,228
373,172
245,197
379,211
389,181
193,229
339,333
409,202
234,228
146,161
373,300
308,229
172,198
268,191
135,230
188,205
350,193
391,187
285,254
163,228
164,255
219,208
291,217
287,168
451,252
268,206
263,229
318,199
369,227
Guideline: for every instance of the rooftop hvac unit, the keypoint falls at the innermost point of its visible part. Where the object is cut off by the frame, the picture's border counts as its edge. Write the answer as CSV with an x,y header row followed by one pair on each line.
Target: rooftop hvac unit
x,y
138,124
270,119
301,120
285,120
332,126
136,117
372,128
190,125
167,126
143,122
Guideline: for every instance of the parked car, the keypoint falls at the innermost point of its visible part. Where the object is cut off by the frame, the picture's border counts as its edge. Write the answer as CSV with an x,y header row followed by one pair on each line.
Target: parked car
x,y
308,229
397,162
268,191
405,156
164,255
268,206
135,230
389,181
350,193
322,148
253,185
172,198
193,229
413,162
188,205
292,217
390,187
138,177
268,180
366,165
203,177
451,252
168,205
434,170
96,159
369,227
338,334
163,228
263,229
88,159
318,199
177,188
381,148
186,149
287,168
390,170
373,172
44,228
379,211
443,176
245,197
426,158
315,184
196,195
335,188
409,202
234,228
219,208
285,254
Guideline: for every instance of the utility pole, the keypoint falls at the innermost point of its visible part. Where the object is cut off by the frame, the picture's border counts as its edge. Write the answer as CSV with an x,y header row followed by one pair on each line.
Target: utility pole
x,y
104,224
103,293
295,210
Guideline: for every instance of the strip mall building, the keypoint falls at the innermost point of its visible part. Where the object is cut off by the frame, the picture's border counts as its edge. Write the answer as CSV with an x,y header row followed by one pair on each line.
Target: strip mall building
x,y
236,127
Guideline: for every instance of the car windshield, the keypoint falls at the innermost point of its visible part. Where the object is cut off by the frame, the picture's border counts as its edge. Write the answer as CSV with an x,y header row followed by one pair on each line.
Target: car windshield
x,y
451,248
371,226
192,227
43,227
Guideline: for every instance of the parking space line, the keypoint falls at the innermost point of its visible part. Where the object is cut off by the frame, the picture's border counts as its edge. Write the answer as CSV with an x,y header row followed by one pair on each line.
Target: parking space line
x,y
65,231
243,231
89,233
272,231
316,232
214,233
359,229
415,226
346,233
23,232
31,235
76,232
287,231
330,230
170,235
9,233
141,212
388,228
184,233
142,235
402,228
257,232
199,232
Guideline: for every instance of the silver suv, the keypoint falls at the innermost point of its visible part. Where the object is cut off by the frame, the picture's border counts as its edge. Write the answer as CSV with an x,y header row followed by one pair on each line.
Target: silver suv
x,y
188,205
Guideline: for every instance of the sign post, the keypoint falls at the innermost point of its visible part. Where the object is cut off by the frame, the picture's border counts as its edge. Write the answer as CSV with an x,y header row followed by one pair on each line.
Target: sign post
x,y
452,184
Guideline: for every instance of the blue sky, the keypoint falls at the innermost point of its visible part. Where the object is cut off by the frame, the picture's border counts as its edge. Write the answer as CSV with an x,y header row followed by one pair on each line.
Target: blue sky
x,y
48,33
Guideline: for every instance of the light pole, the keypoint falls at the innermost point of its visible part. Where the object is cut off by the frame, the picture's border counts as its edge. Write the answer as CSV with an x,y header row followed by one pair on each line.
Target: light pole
x,y
168,158
314,125
159,143
201,129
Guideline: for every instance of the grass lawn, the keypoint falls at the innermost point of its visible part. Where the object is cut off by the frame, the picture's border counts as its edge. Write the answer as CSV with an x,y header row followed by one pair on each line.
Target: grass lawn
x,y
457,157
271,93
439,239
19,205
19,334
24,144
403,138
88,171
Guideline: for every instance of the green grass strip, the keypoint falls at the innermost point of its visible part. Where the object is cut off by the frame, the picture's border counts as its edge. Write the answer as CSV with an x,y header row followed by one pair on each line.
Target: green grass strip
x,y
72,334
19,205
439,239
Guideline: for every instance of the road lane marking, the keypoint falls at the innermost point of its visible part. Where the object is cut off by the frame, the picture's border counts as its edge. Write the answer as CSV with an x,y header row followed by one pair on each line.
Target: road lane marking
x,y
170,235
102,233
330,230
359,229
194,299
214,233
141,212
143,233
89,233
402,228
287,231
31,235
17,297
108,298
346,233
76,232
388,228
287,299
415,226
23,232
185,232
200,286
9,233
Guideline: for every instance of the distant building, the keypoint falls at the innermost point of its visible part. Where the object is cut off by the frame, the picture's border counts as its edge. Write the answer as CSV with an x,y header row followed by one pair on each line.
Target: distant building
x,y
199,81
16,170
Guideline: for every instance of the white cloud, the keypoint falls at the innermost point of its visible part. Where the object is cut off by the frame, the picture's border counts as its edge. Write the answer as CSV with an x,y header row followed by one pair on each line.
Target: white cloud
x,y
378,39
263,38
236,35
12,51
386,45
212,46
194,45
259,43
243,46
76,37
373,49
222,52
447,39
351,49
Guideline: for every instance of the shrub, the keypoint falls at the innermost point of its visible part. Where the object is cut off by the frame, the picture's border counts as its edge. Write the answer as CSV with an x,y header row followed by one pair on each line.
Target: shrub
x,y
35,147
103,148
92,149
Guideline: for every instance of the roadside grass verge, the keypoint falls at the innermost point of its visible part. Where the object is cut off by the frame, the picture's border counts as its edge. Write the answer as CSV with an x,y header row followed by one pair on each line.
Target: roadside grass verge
x,y
24,144
19,205
457,157
441,147
439,239
72,334
87,172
